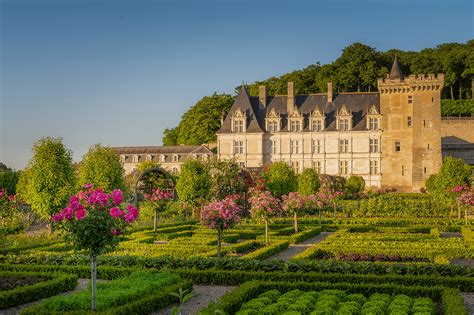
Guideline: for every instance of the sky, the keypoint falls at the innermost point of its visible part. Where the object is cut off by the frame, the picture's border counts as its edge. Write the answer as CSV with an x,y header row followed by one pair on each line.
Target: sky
x,y
117,72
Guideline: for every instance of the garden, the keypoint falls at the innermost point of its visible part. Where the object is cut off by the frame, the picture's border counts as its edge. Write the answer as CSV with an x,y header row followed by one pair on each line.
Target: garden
x,y
224,240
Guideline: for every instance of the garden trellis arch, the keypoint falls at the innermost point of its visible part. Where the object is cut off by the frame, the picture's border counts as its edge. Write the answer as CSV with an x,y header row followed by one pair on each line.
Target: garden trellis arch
x,y
141,186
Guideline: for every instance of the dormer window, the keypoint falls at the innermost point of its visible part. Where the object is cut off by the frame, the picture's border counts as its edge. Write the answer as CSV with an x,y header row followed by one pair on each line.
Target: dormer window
x,y
238,121
135,159
162,158
295,125
316,125
123,158
373,119
175,158
344,119
316,120
272,121
148,158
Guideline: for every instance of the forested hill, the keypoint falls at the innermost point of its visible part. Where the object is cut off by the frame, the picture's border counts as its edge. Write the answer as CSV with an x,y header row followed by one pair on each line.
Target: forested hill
x,y
357,69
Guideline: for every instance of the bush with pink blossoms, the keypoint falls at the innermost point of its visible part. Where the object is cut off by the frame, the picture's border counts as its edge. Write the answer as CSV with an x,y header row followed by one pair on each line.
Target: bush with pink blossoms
x,y
464,199
263,206
293,203
221,215
159,201
12,219
93,221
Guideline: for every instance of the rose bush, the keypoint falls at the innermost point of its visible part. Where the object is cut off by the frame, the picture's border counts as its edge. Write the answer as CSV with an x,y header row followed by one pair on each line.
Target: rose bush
x,y
159,201
294,203
263,206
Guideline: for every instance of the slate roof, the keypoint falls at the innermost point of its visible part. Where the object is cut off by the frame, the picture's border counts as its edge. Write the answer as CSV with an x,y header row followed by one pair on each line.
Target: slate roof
x,y
167,151
396,71
358,103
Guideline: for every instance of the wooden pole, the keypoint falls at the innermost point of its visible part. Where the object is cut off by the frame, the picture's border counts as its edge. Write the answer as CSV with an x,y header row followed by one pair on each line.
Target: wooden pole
x,y
94,281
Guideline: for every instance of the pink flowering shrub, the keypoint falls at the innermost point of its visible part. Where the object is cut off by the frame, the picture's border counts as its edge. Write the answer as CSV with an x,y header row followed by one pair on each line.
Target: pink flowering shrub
x,y
464,199
159,200
94,220
220,215
293,203
12,219
263,206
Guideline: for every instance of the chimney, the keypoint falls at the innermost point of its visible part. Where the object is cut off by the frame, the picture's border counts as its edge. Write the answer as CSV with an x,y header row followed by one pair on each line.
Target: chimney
x,y
262,95
330,92
290,103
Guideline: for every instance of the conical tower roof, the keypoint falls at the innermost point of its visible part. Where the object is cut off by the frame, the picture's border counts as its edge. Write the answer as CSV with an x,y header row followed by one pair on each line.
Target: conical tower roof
x,y
396,71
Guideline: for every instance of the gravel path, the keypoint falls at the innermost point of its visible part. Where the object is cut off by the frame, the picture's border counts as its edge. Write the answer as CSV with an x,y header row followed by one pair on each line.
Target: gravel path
x,y
468,302
202,296
462,262
295,249
81,285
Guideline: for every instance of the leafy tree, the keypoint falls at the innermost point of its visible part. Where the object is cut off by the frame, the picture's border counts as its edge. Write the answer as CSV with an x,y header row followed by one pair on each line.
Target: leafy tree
x,y
101,167
193,184
280,179
454,172
48,180
227,178
170,136
355,184
308,182
8,180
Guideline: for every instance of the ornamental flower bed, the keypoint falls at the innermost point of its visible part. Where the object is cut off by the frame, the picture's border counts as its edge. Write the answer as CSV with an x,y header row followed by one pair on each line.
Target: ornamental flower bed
x,y
221,215
93,221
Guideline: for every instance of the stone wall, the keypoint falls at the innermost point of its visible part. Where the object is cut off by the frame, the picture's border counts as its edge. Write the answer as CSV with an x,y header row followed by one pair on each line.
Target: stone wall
x,y
462,128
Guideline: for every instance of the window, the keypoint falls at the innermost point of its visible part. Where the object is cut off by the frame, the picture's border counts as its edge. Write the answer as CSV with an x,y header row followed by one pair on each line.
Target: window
x,y
175,170
204,156
316,125
162,158
123,158
175,158
410,99
343,167
317,165
238,147
343,146
398,147
316,146
296,166
242,164
373,145
294,147
428,146
344,124
273,147
404,170
409,123
374,167
148,158
238,125
135,159
295,125
272,126
373,123
424,170
424,123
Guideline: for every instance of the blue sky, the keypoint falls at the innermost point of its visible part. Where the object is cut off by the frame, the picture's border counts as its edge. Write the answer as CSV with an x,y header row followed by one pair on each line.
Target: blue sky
x,y
119,72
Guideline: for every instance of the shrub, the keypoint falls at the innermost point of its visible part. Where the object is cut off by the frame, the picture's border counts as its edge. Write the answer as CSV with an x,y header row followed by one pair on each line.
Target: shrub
x,y
308,182
355,184
280,179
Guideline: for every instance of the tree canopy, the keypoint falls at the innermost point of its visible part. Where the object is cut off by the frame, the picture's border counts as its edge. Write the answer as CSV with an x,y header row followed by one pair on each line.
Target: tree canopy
x,y
101,167
48,180
280,179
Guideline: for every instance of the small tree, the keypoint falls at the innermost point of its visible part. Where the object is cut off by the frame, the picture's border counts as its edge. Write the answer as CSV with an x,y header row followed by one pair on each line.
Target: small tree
x,y
316,201
48,180
94,221
226,178
263,206
280,179
294,203
159,200
355,184
193,184
454,172
464,199
101,167
221,215
308,182
333,198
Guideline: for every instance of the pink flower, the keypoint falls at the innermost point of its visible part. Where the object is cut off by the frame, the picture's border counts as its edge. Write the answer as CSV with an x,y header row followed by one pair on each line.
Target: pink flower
x,y
116,212
57,217
116,232
67,213
132,210
11,197
1,194
81,214
117,196
102,199
129,218
88,186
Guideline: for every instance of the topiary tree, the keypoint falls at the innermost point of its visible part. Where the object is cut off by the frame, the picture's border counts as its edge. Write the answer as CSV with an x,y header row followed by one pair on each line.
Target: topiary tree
x,y
355,184
280,179
48,179
263,206
220,215
193,184
93,221
101,167
308,182
294,203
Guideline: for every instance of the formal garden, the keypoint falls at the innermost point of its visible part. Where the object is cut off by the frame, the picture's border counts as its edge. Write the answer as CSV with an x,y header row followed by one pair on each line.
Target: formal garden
x,y
219,239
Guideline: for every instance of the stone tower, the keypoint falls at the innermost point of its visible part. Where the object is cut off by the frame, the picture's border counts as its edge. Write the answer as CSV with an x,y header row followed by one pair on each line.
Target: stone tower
x,y
411,122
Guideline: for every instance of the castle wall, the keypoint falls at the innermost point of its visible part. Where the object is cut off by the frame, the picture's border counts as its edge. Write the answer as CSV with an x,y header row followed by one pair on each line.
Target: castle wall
x,y
462,128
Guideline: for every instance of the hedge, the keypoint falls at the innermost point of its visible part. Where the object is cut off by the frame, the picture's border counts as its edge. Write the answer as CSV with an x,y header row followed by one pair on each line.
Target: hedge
x,y
57,283
232,301
267,251
302,236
